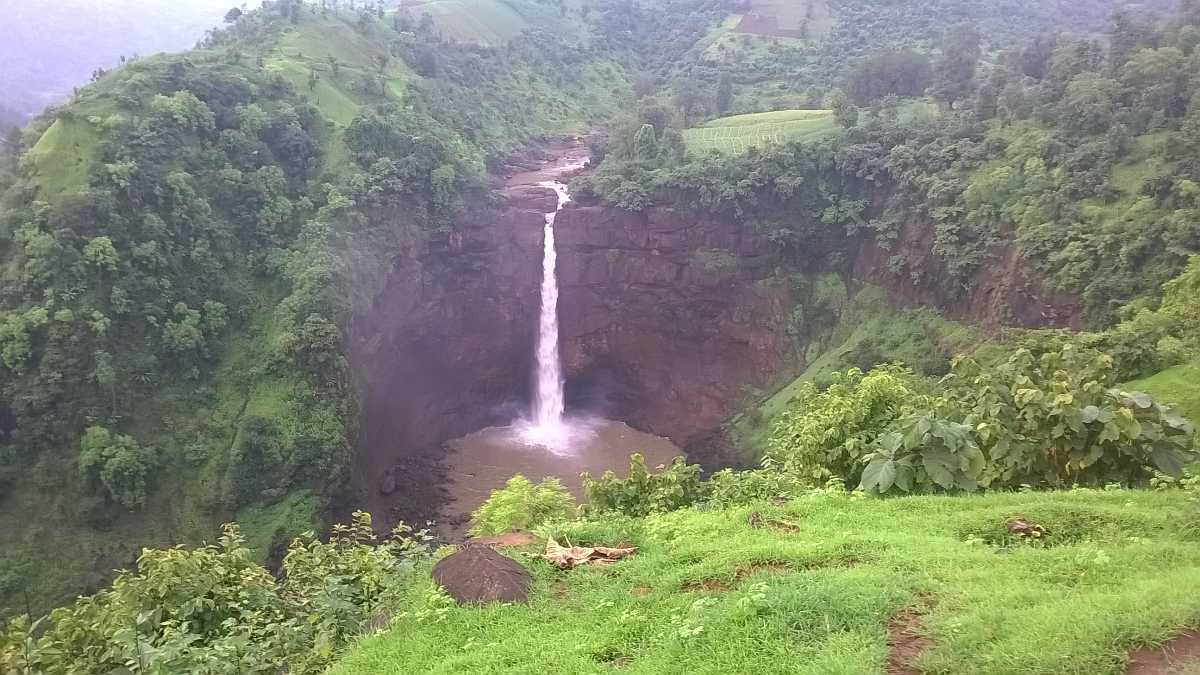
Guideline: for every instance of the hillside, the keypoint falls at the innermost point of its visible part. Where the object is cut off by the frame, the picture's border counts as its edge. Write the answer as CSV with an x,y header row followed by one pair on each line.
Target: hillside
x,y
914,289
199,336
827,583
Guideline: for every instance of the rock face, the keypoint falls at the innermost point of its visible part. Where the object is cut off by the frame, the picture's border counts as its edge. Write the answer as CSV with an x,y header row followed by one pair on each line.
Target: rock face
x,y
683,312
666,319
1001,294
445,349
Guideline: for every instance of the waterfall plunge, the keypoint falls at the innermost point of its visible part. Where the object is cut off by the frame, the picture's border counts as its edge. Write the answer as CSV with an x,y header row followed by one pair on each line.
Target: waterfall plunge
x,y
548,404
547,427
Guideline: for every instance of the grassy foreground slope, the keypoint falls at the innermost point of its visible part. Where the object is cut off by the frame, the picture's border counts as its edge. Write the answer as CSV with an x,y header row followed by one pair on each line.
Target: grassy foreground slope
x,y
810,586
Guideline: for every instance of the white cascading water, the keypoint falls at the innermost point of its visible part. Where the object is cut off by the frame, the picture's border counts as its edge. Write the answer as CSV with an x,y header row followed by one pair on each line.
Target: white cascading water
x,y
547,426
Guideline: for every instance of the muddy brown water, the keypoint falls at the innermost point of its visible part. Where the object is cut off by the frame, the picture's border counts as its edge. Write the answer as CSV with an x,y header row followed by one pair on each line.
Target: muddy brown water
x,y
484,461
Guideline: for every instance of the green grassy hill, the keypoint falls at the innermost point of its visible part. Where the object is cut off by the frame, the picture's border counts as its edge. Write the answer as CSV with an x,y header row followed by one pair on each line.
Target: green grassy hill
x,y
485,22
343,60
824,584
493,23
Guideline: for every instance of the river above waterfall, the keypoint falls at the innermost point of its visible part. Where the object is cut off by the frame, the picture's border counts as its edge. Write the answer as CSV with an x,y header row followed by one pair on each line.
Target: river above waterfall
x,y
484,461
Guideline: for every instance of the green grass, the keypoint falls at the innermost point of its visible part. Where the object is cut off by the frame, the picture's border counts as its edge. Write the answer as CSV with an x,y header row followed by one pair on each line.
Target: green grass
x,y
1179,386
309,45
739,133
869,332
335,104
62,158
265,524
709,593
485,22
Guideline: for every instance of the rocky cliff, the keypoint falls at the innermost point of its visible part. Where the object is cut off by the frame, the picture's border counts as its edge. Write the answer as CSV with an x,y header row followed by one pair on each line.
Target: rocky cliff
x,y
445,349
685,312
668,321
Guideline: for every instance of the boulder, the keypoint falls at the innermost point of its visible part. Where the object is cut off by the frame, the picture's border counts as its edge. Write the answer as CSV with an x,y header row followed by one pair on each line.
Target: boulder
x,y
476,574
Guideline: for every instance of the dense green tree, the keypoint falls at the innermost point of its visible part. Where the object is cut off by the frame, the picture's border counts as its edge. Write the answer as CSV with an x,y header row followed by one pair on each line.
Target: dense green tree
x,y
844,111
1185,145
724,97
954,71
118,463
1089,104
1155,82
903,72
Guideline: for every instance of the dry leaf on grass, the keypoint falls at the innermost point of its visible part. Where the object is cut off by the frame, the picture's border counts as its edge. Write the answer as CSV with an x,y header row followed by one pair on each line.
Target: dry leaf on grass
x,y
574,556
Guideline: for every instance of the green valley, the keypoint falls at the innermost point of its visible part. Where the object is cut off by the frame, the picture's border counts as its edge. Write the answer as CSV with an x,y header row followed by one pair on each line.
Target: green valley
x,y
912,291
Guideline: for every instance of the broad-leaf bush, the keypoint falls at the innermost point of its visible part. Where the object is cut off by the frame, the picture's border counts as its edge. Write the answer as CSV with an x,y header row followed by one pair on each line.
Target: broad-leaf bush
x,y
521,505
827,433
643,492
215,610
1057,421
1053,420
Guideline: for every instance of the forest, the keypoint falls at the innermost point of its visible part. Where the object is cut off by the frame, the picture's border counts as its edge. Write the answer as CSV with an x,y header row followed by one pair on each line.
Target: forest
x,y
186,243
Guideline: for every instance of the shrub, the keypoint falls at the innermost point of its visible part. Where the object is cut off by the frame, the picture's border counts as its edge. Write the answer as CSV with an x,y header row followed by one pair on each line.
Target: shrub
x,y
642,492
521,505
826,433
118,463
213,609
1050,421
735,488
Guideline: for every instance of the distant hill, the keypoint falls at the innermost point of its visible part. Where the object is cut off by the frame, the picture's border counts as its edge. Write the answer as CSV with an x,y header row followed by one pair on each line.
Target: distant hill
x,y
42,66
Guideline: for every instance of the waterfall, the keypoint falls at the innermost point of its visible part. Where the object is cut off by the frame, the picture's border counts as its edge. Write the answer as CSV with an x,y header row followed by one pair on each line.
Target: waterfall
x,y
548,403
547,426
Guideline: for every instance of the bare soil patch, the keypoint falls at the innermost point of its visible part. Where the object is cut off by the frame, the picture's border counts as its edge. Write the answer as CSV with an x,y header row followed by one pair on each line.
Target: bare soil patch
x,y
1182,650
744,571
906,644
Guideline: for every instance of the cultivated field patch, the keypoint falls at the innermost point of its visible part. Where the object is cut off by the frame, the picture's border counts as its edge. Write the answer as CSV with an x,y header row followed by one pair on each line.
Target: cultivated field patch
x,y
739,133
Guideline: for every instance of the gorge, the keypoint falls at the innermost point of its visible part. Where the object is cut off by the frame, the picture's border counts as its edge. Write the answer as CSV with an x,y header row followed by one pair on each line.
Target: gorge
x,y
667,320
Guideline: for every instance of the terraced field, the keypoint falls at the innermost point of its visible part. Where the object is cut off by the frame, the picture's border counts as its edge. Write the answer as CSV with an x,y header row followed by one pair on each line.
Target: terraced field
x,y
739,133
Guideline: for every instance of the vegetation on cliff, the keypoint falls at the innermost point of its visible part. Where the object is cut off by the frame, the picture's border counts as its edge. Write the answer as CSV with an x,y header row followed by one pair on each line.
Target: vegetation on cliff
x,y
184,241
1075,153
183,245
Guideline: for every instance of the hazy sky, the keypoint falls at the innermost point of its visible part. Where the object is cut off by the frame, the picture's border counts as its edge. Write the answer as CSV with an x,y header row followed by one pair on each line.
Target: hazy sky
x,y
47,47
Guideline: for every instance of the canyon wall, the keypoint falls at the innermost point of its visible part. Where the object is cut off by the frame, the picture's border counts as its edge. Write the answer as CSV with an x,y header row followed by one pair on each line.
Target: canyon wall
x,y
686,312
445,349
668,321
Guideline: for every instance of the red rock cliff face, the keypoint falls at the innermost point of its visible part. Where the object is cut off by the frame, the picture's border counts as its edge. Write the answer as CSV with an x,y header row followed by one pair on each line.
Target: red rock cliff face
x,y
684,312
1002,293
443,348
688,311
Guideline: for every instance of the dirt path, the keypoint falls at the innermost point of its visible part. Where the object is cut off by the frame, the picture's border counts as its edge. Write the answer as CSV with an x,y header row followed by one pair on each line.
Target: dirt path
x,y
906,644
1180,654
